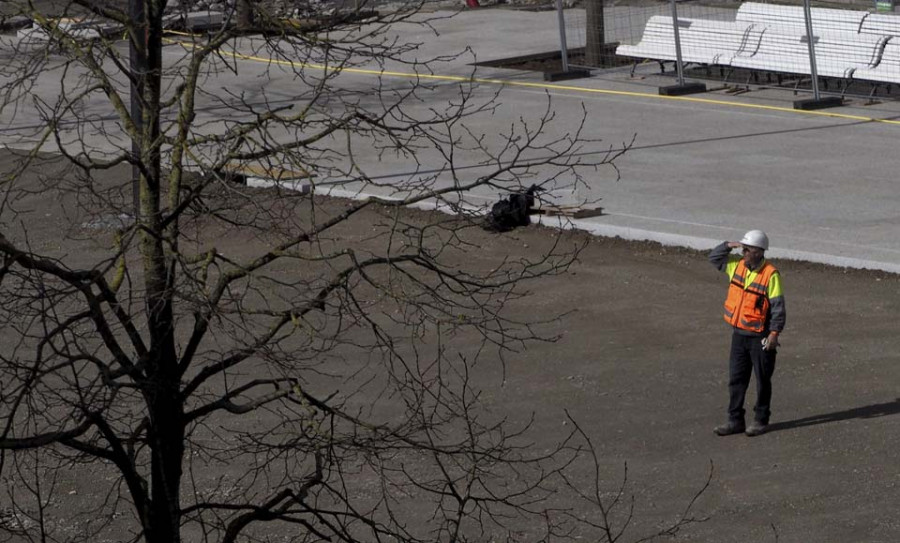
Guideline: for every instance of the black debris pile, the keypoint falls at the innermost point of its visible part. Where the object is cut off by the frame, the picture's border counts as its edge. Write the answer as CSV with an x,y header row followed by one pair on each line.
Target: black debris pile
x,y
512,211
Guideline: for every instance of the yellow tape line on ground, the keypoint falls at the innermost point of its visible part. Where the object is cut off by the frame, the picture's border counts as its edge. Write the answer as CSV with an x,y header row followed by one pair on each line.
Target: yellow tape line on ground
x,y
545,86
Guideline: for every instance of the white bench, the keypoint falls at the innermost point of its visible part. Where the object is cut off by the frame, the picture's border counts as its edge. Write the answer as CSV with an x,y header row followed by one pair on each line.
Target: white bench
x,y
702,41
881,24
837,54
843,44
763,38
888,69
824,20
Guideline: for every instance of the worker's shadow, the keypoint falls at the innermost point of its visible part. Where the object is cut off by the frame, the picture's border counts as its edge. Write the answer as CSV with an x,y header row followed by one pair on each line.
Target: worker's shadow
x,y
867,412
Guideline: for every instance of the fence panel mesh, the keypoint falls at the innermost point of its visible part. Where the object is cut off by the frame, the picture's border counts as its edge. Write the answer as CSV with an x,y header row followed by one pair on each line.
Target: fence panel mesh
x,y
856,46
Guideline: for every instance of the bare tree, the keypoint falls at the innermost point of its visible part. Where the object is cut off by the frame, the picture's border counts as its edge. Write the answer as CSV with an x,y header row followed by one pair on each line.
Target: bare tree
x,y
225,362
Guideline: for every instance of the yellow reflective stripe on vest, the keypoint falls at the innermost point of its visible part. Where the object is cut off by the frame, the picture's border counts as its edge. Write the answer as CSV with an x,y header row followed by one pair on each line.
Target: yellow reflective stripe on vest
x,y
748,280
774,288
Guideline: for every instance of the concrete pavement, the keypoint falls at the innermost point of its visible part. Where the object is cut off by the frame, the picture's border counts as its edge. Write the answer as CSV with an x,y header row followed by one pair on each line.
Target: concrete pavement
x,y
701,169
708,167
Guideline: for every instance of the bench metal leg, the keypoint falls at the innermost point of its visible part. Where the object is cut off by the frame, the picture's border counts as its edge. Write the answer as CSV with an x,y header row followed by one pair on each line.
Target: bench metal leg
x,y
726,75
872,92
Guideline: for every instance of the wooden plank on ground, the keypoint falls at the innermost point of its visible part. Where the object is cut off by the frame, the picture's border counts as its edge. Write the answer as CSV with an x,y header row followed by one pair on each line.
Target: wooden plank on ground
x,y
575,212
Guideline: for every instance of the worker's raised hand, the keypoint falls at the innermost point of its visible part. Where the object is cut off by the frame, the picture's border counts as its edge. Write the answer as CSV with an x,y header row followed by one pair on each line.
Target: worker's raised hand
x,y
734,244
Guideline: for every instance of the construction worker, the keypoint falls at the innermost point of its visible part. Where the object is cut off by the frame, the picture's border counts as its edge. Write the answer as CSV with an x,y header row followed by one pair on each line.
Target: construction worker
x,y
755,310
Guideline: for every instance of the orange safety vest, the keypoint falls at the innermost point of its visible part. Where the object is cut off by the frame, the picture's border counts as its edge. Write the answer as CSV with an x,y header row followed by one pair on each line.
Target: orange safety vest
x,y
746,307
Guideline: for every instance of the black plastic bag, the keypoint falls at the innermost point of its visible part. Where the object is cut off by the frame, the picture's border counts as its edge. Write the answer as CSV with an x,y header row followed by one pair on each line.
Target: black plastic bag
x,y
512,211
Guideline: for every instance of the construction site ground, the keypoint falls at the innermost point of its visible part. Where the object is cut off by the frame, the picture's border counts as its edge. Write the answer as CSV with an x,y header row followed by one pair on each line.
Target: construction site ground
x,y
641,367
642,359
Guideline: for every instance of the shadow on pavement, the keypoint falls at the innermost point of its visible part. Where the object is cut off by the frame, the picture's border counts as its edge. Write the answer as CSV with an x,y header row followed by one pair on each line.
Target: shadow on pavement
x,y
867,412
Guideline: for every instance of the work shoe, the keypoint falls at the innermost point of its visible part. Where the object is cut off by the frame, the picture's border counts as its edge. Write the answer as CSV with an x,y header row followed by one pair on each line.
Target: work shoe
x,y
756,429
731,428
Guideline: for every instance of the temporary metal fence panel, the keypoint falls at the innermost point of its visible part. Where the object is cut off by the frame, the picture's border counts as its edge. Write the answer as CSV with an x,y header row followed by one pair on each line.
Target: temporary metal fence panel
x,y
851,46
598,28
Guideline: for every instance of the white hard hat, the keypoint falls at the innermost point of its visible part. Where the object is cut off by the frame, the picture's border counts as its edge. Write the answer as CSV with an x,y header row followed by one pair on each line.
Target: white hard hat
x,y
756,238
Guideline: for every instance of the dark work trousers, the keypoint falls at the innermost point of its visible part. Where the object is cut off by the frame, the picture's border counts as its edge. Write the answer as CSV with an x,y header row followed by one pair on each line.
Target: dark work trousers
x,y
748,356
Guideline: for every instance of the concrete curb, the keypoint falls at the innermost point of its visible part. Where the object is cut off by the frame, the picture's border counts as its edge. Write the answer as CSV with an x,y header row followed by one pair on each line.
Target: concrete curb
x,y
700,243
635,234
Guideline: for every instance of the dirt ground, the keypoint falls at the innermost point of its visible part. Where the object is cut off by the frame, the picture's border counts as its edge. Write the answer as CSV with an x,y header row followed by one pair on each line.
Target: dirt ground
x,y
642,366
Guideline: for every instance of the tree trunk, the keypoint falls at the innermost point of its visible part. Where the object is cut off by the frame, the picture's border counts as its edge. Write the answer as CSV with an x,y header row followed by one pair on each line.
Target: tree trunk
x,y
161,386
595,33
244,14
167,442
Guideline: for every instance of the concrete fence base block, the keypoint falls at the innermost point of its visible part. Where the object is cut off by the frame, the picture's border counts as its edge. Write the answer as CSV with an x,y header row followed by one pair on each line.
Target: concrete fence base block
x,y
822,103
681,90
576,73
